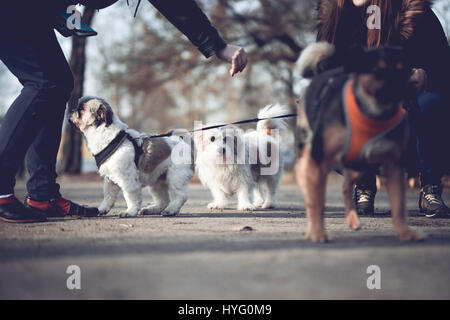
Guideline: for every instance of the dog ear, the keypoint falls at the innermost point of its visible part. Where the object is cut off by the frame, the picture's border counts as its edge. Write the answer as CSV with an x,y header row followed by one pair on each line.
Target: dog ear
x,y
104,115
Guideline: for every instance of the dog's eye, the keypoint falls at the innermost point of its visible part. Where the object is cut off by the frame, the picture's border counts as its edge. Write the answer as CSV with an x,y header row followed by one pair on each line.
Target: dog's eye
x,y
212,139
79,109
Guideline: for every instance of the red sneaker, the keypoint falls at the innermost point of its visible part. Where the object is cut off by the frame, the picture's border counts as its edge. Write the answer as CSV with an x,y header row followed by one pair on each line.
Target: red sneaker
x,y
61,207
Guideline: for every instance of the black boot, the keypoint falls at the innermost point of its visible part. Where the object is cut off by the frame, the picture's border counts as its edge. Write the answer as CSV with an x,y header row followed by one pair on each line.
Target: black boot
x,y
431,203
365,200
365,191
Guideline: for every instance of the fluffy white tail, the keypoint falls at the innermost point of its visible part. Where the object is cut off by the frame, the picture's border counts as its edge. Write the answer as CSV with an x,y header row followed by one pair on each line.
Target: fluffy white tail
x,y
308,64
270,111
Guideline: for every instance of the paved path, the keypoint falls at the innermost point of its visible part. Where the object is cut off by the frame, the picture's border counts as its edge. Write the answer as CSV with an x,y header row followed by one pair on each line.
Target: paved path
x,y
203,255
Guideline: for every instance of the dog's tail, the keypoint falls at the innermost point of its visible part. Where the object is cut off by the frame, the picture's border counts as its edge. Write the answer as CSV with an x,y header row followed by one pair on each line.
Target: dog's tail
x,y
269,111
315,58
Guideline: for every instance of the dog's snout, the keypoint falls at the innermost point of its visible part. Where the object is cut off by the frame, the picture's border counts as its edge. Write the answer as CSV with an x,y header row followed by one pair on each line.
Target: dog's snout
x,y
74,115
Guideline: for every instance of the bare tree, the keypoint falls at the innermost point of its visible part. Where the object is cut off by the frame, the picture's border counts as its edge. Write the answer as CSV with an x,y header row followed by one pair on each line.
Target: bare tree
x,y
159,62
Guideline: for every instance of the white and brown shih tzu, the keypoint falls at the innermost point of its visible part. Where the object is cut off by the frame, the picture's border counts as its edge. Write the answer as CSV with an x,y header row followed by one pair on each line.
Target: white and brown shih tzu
x,y
129,161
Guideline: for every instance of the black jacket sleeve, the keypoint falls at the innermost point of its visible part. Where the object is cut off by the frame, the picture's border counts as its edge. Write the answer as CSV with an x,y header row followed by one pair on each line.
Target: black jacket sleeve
x,y
187,17
430,50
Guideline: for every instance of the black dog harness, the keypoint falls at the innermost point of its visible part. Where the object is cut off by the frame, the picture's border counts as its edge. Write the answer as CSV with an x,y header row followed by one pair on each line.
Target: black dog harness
x,y
104,155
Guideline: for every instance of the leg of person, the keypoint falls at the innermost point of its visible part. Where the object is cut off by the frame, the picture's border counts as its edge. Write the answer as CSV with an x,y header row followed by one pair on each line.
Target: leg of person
x,y
33,55
43,191
432,153
23,119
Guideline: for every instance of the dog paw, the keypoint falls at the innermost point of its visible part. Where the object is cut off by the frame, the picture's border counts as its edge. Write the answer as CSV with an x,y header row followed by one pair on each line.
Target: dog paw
x,y
269,205
215,206
317,236
128,214
246,207
150,211
102,212
169,213
258,204
409,236
352,220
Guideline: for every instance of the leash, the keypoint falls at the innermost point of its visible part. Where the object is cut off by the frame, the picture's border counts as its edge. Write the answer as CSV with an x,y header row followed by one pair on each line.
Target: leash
x,y
170,133
137,6
104,155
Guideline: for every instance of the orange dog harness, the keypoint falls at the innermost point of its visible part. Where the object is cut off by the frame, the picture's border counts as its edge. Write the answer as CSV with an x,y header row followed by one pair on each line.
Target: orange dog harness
x,y
362,129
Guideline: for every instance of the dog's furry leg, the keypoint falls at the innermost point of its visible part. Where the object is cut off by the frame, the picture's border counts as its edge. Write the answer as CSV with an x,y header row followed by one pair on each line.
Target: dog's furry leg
x,y
312,178
128,181
177,188
160,197
133,198
178,197
271,185
220,199
395,185
352,219
110,191
258,196
244,196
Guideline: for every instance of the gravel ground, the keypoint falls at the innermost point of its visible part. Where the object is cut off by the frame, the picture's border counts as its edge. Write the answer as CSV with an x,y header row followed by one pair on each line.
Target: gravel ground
x,y
222,255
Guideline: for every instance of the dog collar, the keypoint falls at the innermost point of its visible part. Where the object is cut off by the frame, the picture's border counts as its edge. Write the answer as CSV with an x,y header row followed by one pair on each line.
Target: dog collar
x,y
362,129
104,155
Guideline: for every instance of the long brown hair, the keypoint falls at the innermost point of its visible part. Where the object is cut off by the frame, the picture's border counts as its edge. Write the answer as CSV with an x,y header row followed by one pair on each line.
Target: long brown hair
x,y
346,23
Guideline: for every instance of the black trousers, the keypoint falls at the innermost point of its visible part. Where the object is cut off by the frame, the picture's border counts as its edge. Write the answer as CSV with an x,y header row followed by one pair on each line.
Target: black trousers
x,y
32,126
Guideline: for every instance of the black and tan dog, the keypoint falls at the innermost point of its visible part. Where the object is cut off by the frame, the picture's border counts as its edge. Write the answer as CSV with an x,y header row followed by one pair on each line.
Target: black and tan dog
x,y
354,120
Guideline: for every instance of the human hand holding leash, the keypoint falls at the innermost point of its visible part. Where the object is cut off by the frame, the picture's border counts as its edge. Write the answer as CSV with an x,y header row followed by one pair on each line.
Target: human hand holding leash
x,y
234,55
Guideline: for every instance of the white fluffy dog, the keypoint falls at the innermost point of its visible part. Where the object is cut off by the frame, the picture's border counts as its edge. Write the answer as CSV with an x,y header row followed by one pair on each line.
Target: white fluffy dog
x,y
230,161
129,161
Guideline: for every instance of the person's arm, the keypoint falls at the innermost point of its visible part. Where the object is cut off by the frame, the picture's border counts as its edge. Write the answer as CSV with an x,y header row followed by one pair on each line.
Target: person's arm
x,y
431,52
187,17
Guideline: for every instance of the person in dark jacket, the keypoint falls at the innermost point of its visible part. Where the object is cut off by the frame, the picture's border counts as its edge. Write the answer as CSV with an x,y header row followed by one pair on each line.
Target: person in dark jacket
x,y
32,125
412,25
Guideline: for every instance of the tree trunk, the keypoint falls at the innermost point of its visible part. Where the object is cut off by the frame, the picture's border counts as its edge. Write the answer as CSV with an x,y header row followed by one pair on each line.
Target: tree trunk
x,y
72,141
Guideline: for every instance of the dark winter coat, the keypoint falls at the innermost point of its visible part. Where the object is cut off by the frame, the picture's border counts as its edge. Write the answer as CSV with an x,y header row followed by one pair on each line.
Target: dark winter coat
x,y
418,31
185,15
